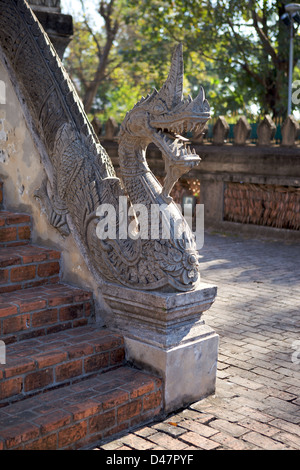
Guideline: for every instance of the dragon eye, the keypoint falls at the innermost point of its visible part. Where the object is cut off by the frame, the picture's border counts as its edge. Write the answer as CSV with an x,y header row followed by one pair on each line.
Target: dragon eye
x,y
159,108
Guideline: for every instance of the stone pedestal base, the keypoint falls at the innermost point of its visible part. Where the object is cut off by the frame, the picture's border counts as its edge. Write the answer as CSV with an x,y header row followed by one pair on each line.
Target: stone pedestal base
x,y
188,370
164,333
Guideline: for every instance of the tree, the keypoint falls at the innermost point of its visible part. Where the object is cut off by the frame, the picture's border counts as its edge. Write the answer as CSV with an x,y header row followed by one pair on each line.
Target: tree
x,y
243,46
238,50
107,83
89,60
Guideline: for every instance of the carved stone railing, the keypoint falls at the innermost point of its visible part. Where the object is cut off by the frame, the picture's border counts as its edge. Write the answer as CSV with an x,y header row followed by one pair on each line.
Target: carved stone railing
x,y
79,176
266,130
152,286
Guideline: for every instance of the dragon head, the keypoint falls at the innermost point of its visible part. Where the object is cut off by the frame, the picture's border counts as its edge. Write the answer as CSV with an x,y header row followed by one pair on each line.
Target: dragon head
x,y
163,116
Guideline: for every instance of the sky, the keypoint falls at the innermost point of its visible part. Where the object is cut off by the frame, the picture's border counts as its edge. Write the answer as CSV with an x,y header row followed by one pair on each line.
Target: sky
x,y
74,8
71,6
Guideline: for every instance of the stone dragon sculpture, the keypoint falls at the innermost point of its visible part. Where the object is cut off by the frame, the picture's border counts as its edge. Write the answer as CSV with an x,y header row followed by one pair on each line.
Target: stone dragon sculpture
x,y
79,174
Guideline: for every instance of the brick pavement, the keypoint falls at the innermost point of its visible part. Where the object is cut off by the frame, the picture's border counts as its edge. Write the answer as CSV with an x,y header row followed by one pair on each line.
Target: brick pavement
x,y
257,316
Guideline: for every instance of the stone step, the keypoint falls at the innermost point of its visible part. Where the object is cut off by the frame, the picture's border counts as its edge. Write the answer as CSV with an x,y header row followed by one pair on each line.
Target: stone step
x,y
43,363
43,310
28,266
80,415
15,229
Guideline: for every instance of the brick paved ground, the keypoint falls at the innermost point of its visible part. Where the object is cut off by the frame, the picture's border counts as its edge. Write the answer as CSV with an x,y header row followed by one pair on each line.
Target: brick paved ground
x,y
257,315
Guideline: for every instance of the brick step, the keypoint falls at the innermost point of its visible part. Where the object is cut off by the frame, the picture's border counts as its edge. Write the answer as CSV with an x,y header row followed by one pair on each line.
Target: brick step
x,y
43,310
1,194
79,415
15,229
28,266
39,364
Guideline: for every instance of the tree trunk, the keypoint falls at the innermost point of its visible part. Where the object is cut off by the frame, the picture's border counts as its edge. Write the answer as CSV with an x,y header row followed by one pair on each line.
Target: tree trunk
x,y
91,90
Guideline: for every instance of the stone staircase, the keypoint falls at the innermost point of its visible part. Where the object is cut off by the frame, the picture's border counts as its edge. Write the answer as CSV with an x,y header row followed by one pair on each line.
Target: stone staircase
x,y
65,384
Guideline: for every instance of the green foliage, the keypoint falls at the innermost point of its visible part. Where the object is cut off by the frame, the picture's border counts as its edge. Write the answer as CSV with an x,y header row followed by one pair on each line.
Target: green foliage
x,y
237,50
240,48
80,58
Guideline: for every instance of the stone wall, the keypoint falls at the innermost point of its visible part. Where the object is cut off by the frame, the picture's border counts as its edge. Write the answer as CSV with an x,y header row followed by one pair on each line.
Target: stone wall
x,y
262,204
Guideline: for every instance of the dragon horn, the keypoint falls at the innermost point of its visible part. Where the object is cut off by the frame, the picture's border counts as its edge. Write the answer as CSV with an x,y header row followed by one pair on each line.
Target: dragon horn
x,y
172,90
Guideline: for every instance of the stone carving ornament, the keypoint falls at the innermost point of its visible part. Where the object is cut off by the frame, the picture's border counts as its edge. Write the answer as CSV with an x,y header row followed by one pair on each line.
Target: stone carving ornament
x,y
79,174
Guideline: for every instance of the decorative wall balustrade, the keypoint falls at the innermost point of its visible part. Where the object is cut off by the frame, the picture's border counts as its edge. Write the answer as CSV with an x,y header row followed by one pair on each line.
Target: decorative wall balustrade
x,y
218,131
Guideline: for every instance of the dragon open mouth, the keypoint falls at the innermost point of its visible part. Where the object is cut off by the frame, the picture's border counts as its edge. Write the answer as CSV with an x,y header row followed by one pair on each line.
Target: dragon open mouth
x,y
174,145
177,144
187,116
170,141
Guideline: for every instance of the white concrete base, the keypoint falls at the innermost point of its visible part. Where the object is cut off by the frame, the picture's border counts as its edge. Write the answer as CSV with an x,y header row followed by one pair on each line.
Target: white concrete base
x,y
188,370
